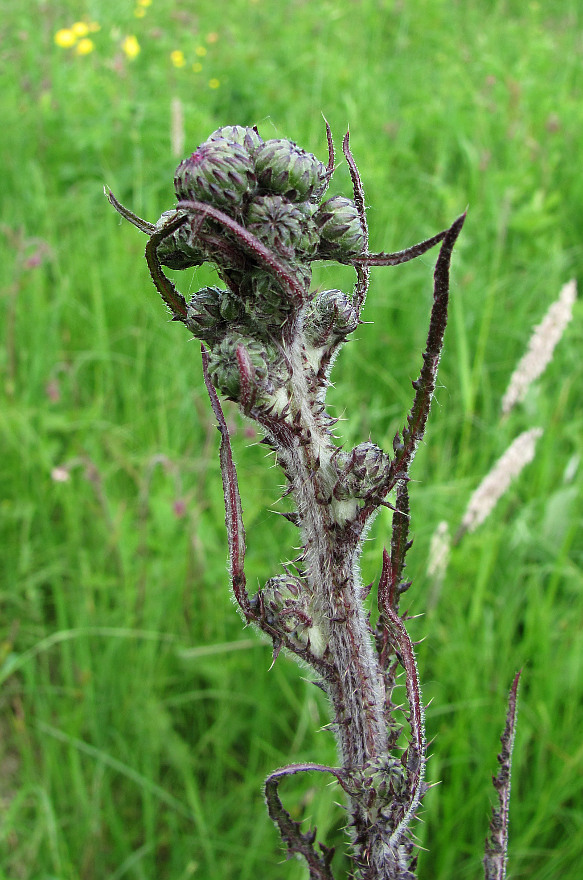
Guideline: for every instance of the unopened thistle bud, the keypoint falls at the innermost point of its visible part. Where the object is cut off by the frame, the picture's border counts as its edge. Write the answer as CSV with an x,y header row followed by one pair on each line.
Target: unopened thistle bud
x,y
218,172
225,366
238,134
287,606
364,472
332,316
204,316
280,592
265,302
282,226
340,229
283,168
178,250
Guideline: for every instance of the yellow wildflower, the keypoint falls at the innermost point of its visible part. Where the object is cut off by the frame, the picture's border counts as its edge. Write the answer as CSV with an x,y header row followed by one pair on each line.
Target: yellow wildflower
x,y
80,29
144,2
84,46
177,58
65,38
214,83
201,51
131,47
197,67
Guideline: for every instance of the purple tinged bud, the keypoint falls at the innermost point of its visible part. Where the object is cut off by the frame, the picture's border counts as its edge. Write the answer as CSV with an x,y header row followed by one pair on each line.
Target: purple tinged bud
x,y
218,172
286,604
238,134
362,472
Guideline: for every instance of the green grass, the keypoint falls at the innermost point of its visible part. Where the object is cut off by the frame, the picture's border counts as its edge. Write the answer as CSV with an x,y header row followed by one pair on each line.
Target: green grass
x,y
137,717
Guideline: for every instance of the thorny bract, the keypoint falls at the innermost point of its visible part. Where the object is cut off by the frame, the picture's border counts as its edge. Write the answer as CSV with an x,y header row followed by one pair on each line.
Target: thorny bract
x,y
257,209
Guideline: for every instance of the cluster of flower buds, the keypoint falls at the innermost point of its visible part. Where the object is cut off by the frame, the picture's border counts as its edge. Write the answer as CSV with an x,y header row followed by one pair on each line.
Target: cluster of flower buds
x,y
254,209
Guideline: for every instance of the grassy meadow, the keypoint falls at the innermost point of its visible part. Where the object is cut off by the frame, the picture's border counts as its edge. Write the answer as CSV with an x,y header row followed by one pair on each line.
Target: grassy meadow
x,y
138,718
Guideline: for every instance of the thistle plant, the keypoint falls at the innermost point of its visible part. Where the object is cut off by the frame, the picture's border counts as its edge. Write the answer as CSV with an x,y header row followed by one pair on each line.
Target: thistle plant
x,y
258,211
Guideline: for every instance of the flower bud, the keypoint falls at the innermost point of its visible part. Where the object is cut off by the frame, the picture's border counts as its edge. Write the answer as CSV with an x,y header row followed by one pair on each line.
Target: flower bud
x,y
225,370
340,229
178,250
331,317
238,134
284,602
267,305
282,167
363,472
204,316
264,296
282,226
219,172
230,307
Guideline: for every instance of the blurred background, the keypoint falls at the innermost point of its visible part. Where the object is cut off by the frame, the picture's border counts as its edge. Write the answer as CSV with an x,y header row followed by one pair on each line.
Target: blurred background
x,y
138,718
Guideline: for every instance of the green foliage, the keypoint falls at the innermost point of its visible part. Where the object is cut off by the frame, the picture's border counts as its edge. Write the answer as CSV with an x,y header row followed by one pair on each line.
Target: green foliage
x,y
137,718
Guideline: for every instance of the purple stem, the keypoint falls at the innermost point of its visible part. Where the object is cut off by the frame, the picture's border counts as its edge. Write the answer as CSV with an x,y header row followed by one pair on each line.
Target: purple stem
x,y
264,256
496,855
233,510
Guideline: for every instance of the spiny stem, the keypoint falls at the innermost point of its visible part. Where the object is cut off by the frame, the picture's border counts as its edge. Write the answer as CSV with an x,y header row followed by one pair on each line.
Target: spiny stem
x,y
362,271
496,854
425,385
254,210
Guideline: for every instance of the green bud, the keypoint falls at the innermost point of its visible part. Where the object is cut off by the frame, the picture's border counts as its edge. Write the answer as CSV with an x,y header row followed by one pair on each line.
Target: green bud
x,y
224,369
287,606
204,316
283,168
340,228
263,293
284,602
178,250
238,134
331,317
266,306
219,172
230,307
282,226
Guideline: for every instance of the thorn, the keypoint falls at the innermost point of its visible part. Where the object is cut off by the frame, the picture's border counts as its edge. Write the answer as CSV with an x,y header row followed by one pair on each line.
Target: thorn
x,y
292,516
277,646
